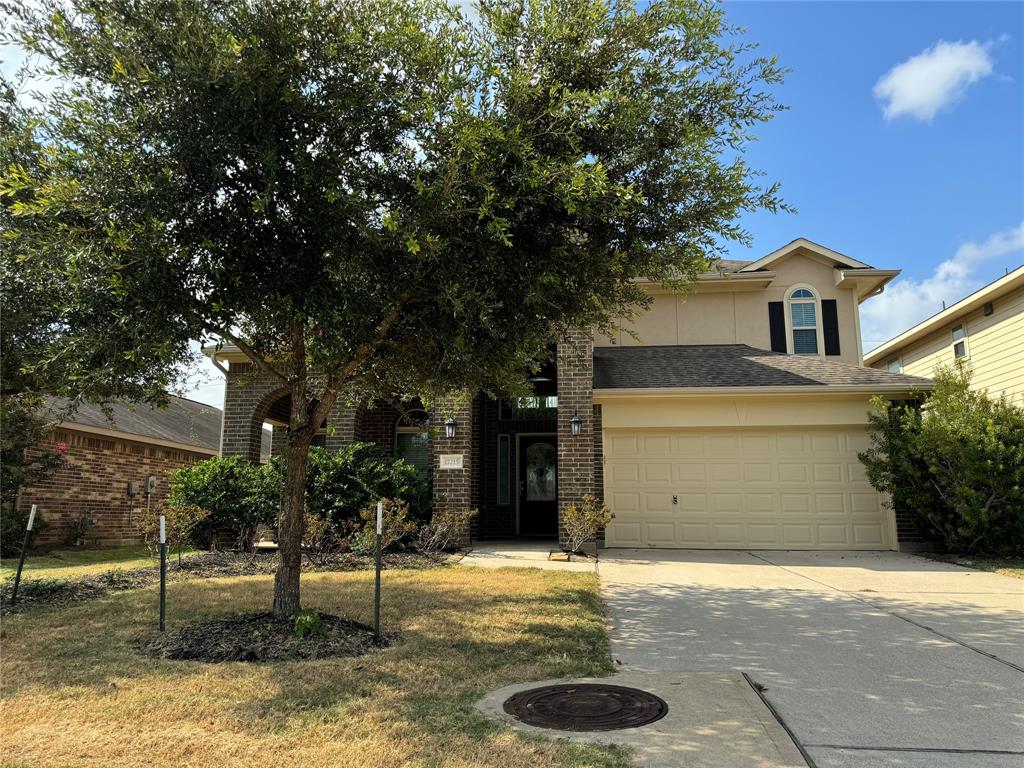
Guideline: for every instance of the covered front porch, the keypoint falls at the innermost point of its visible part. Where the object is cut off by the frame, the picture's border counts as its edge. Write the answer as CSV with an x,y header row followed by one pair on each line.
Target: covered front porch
x,y
517,461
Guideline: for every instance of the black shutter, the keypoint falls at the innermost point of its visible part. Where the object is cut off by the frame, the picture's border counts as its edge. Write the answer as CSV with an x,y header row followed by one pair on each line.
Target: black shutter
x,y
830,326
777,325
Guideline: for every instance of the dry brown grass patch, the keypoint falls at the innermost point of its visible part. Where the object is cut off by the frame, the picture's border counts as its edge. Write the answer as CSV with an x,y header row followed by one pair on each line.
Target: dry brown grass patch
x,y
76,692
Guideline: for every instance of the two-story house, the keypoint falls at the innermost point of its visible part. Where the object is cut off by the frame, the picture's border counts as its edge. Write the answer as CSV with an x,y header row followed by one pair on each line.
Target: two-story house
x,y
726,417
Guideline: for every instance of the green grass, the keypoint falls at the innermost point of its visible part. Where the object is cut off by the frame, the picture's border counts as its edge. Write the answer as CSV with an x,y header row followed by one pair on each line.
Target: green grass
x,y
1006,566
76,692
76,563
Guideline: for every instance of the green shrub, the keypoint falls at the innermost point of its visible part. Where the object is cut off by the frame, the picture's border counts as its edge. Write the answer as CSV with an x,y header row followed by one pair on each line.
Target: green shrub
x,y
309,624
239,496
956,463
340,485
242,496
12,530
395,526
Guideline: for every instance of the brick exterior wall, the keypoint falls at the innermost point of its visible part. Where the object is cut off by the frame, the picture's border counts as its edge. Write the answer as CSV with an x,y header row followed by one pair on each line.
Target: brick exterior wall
x,y
575,396
95,481
454,488
377,425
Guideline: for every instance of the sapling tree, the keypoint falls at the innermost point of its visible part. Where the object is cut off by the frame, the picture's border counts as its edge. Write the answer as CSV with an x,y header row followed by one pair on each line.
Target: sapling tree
x,y
371,197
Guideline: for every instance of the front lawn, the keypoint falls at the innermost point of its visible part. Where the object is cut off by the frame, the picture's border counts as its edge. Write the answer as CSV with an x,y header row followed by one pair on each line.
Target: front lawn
x,y
76,692
76,563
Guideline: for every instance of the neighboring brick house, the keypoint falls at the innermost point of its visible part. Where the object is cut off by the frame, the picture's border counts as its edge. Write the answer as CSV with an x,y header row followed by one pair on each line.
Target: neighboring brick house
x,y
103,456
728,416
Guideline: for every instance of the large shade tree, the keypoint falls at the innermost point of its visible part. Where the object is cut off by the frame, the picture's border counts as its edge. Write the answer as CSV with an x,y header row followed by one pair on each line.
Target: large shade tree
x,y
376,196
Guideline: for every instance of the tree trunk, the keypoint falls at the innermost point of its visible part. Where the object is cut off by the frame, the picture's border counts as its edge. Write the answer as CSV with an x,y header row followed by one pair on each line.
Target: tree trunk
x,y
293,505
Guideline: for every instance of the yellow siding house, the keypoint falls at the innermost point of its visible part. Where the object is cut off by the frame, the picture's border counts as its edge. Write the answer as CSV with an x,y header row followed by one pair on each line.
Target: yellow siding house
x,y
985,330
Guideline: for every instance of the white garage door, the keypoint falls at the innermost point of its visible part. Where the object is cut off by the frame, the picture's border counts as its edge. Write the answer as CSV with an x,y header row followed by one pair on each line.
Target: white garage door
x,y
796,488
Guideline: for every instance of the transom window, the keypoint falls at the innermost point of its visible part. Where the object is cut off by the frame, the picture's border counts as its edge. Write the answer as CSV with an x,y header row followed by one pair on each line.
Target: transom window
x,y
959,342
530,407
803,315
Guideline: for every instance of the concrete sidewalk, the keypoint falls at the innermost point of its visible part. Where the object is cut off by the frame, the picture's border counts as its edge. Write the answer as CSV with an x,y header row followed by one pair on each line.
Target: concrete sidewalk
x,y
714,721
522,554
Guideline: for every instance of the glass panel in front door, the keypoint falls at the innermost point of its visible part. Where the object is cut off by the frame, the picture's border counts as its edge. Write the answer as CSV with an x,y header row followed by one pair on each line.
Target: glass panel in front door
x,y
541,472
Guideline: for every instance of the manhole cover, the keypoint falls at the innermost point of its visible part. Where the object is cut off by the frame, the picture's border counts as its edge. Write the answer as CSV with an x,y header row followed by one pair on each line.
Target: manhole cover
x,y
585,707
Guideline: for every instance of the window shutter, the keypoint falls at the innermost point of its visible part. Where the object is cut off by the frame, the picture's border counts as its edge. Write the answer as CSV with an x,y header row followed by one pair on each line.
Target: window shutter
x,y
777,325
830,326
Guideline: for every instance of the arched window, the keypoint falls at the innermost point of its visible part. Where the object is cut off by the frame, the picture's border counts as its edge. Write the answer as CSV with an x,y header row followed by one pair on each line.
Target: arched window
x,y
804,322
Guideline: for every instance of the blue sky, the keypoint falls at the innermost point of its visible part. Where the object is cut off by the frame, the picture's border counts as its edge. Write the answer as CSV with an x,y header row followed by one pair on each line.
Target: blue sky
x,y
936,186
903,146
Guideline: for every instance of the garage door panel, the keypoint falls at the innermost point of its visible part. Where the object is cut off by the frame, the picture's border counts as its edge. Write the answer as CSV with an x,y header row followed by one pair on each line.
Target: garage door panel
x,y
695,535
833,534
729,534
660,534
692,472
799,488
763,535
869,535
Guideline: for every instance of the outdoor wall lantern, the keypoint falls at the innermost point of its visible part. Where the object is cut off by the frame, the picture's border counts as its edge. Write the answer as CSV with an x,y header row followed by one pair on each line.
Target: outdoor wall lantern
x,y
449,428
576,423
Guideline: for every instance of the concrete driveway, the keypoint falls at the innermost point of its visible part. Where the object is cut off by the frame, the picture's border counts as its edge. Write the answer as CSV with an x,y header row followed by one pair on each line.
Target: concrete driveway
x,y
869,659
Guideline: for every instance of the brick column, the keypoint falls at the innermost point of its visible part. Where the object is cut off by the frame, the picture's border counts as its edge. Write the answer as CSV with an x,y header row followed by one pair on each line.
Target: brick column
x,y
247,396
342,424
575,396
453,488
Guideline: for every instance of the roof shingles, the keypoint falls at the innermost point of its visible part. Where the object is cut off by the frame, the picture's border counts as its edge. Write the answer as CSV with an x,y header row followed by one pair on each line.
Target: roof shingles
x,y
732,365
182,421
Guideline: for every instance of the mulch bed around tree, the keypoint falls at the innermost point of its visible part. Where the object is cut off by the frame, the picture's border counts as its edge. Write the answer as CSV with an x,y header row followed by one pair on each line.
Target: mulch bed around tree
x,y
36,592
259,637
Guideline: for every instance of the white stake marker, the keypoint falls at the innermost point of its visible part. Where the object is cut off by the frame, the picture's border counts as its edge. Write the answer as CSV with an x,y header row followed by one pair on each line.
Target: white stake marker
x,y
31,518
163,529
380,517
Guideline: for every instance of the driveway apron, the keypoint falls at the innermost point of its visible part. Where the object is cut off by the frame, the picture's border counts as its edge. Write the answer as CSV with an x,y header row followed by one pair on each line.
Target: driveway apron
x,y
869,659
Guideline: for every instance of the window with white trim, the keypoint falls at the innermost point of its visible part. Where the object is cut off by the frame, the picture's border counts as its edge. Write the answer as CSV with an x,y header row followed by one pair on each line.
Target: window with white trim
x,y
959,341
804,322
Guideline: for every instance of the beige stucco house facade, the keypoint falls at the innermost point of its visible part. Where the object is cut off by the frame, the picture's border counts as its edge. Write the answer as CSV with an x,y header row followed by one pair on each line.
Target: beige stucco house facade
x,y
729,416
985,331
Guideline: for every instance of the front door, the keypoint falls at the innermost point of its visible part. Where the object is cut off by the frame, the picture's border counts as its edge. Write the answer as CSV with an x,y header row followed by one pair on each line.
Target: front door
x,y
538,485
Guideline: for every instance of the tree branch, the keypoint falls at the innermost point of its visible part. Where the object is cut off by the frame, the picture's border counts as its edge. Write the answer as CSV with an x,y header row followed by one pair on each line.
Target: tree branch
x,y
251,353
338,378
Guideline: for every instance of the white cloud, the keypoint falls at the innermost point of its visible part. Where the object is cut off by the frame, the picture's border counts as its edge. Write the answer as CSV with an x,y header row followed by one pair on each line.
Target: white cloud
x,y
907,302
933,79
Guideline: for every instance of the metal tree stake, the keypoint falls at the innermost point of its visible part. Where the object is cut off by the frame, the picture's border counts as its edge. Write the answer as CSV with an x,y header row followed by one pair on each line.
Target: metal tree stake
x,y
376,588
163,571
24,551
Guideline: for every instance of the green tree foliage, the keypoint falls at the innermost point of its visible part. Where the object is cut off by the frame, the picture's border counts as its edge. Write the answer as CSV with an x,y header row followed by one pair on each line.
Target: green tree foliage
x,y
374,197
956,462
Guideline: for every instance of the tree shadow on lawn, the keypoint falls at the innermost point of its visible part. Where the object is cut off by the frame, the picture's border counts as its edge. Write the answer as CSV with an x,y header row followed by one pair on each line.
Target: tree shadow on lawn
x,y
459,636
94,644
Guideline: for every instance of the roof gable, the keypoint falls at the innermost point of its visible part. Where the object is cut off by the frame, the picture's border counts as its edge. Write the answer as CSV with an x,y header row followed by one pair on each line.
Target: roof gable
x,y
834,258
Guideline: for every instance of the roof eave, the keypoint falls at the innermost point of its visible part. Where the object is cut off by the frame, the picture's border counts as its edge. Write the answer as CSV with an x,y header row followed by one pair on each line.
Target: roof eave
x,y
1008,282
613,393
